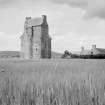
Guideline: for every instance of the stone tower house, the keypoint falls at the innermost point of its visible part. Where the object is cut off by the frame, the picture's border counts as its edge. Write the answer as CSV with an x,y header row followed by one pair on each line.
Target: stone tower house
x,y
35,41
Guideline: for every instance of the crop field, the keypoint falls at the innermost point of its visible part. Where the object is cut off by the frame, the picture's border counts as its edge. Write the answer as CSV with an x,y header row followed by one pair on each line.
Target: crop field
x,y
52,82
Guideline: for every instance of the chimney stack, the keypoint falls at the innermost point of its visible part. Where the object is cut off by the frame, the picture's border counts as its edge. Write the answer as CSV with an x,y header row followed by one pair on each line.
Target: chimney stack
x,y
94,46
28,18
44,17
82,48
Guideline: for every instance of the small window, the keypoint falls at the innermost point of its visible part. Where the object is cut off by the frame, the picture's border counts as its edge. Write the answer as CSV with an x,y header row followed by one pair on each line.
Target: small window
x,y
91,53
36,49
45,45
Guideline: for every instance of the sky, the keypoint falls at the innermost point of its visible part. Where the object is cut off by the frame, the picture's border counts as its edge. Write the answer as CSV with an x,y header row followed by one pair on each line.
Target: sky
x,y
72,23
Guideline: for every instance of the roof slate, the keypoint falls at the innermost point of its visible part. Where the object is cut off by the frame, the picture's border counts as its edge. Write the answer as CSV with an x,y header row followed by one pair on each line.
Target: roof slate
x,y
101,50
85,52
35,22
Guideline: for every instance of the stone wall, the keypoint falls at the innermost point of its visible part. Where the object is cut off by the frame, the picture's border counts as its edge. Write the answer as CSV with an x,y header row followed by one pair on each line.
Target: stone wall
x,y
36,42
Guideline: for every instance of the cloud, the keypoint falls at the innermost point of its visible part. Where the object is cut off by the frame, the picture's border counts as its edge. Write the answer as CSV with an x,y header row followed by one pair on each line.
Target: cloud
x,y
93,8
7,3
96,8
9,42
75,3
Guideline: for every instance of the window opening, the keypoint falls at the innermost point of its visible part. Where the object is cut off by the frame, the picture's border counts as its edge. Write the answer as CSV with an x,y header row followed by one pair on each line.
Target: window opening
x,y
36,49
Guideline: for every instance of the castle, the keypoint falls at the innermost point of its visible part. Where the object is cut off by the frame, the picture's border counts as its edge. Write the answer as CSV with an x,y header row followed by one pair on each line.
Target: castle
x,y
35,41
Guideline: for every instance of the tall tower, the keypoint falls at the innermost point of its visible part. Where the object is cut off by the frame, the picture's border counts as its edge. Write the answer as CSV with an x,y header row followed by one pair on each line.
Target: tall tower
x,y
35,41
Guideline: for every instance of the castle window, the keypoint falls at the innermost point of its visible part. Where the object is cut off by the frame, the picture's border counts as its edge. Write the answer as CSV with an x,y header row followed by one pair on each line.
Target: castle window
x,y
36,49
91,53
45,44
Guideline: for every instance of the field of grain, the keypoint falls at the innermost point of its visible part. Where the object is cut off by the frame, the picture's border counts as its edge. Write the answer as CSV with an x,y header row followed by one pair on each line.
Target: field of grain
x,y
52,82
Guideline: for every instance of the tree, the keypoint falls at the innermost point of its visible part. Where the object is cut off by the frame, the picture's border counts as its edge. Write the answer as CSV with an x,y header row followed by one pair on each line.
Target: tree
x,y
66,54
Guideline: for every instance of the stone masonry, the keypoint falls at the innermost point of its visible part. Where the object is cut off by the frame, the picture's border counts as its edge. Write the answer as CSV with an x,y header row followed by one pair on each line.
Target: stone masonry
x,y
35,41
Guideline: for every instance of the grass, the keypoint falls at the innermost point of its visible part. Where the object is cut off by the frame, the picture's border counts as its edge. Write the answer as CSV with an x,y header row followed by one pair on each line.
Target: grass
x,y
52,82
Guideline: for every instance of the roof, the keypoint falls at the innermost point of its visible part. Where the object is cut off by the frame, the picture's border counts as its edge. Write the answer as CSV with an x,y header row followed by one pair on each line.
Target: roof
x,y
34,22
85,52
101,50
